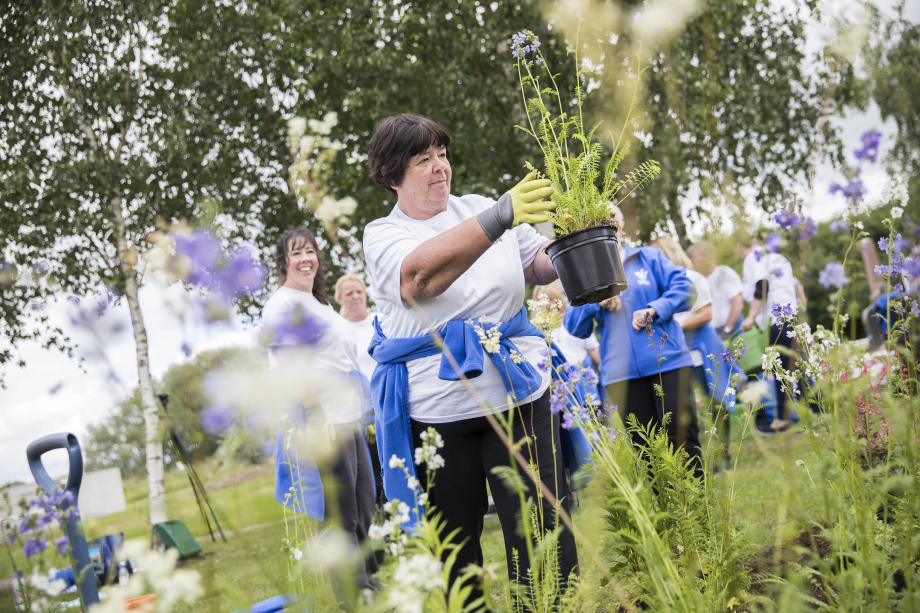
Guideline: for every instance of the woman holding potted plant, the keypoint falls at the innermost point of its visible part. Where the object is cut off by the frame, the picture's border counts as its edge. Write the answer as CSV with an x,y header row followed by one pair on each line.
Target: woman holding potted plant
x,y
643,346
438,262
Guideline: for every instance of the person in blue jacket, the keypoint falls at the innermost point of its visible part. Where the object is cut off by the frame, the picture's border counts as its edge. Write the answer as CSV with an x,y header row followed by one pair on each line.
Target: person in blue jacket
x,y
630,366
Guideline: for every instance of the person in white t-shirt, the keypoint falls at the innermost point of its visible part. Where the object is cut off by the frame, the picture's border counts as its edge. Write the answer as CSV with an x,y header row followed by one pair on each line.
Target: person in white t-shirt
x,y
352,295
437,262
725,283
348,482
768,281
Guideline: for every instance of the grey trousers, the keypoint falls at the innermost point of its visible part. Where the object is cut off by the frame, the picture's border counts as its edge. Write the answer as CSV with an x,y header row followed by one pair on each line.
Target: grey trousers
x,y
348,487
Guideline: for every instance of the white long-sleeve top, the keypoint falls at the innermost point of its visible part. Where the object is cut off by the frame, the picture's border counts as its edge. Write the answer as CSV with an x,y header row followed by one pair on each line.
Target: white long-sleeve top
x,y
760,264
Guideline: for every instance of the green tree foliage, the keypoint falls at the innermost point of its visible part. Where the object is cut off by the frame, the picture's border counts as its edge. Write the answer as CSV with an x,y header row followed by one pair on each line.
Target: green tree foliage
x,y
729,104
118,439
893,64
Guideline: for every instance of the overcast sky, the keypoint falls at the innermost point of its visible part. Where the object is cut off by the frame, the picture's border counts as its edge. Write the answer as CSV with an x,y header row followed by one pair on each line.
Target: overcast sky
x,y
53,394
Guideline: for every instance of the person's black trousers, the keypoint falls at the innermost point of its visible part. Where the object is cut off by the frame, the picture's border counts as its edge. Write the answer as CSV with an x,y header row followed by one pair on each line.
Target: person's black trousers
x,y
637,397
471,450
779,337
348,488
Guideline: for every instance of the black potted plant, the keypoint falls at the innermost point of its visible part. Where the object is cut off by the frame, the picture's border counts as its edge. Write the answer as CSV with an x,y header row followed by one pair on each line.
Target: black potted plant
x,y
586,254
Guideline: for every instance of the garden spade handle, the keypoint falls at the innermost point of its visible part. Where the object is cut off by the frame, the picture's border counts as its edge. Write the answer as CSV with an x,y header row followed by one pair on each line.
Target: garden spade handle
x,y
83,571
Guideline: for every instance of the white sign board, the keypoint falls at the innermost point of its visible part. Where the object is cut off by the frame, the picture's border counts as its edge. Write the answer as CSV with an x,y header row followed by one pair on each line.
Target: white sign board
x,y
101,493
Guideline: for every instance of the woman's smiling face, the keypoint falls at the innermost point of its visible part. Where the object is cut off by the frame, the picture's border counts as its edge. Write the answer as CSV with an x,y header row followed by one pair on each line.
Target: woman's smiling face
x,y
302,264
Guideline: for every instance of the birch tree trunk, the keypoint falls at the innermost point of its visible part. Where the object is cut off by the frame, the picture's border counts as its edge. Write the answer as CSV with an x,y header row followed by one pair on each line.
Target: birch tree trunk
x,y
155,474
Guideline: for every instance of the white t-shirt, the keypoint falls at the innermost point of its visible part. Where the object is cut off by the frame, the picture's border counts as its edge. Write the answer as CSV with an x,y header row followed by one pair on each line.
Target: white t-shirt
x,y
572,347
702,295
335,351
364,332
492,288
725,284
781,288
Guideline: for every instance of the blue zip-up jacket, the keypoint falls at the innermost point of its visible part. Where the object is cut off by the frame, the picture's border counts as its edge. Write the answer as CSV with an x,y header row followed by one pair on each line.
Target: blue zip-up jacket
x,y
390,387
652,281
300,477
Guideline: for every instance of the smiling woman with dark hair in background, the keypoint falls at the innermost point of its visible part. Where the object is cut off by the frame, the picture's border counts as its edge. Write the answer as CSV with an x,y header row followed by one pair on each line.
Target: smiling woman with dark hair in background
x,y
343,491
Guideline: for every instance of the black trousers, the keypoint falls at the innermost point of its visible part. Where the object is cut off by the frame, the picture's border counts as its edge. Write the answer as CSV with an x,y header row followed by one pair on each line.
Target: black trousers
x,y
779,337
637,397
348,488
471,450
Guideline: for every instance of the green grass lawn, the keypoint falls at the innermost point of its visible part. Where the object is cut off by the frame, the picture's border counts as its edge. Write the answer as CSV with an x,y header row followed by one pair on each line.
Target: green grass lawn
x,y
251,566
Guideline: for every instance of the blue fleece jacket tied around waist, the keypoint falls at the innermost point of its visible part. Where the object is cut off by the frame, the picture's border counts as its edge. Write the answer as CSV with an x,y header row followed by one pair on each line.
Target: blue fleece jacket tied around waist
x,y
390,388
290,468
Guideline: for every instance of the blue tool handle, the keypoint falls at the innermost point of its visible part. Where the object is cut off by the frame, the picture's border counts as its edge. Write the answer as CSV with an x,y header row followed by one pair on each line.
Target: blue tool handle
x,y
83,570
62,440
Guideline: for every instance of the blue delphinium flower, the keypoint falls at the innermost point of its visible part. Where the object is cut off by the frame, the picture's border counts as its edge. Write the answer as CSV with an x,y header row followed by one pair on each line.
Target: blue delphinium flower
x,y
808,229
781,311
216,420
787,219
35,545
833,275
840,226
773,242
61,545
296,327
914,309
870,145
911,268
547,353
728,356
901,244
883,244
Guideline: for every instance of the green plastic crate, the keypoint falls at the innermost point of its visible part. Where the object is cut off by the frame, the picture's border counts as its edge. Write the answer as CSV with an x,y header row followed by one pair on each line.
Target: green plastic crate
x,y
176,536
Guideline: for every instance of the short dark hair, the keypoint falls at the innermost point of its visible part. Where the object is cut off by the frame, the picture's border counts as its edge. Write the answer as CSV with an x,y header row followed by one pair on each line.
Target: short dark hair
x,y
296,236
397,140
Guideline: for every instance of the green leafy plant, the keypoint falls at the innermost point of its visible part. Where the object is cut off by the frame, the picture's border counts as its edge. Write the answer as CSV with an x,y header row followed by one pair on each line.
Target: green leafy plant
x,y
571,155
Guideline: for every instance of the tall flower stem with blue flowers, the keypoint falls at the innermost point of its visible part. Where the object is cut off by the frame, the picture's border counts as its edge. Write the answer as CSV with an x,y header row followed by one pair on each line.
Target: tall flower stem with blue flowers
x,y
575,169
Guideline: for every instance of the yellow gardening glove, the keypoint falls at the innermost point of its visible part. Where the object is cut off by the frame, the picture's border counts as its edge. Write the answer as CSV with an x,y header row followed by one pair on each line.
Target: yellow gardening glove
x,y
528,200
523,203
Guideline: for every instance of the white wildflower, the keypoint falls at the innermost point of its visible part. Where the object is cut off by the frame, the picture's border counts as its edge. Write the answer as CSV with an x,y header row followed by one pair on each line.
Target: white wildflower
x,y
412,482
297,554
331,210
296,127
800,463
396,462
896,212
753,393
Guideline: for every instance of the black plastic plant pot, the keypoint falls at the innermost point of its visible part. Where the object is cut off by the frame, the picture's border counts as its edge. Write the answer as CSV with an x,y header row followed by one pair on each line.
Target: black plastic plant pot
x,y
588,263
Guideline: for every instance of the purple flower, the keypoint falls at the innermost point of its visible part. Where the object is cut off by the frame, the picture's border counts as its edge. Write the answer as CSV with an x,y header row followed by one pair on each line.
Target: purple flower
x,y
743,350
590,376
882,270
787,219
911,268
758,253
840,227
728,356
34,545
215,420
546,361
781,312
773,242
612,435
914,309
870,144
883,244
898,287
203,250
297,327
61,545
17,576
833,275
901,244
808,229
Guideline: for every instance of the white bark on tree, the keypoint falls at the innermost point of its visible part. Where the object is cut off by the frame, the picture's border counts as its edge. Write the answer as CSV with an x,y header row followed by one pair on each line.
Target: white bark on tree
x,y
155,474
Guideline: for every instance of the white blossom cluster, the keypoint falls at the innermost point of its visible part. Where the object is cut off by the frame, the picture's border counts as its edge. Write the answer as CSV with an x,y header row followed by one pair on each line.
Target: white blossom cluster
x,y
428,452
331,210
413,578
397,514
490,340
